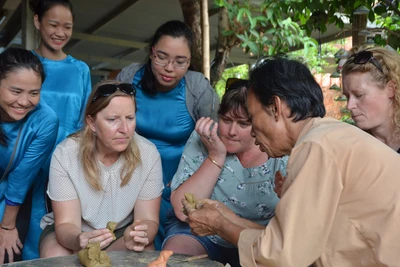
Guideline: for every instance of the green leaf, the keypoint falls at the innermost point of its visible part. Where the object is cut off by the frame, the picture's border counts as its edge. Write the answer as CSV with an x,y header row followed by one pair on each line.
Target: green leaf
x,y
228,32
254,48
270,13
255,33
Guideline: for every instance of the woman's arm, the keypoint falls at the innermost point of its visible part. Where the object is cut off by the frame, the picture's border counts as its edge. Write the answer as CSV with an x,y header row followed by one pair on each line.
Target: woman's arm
x,y
144,229
21,178
203,179
67,222
68,225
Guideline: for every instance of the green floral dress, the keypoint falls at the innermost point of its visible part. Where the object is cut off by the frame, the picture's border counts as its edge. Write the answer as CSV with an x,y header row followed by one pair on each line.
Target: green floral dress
x,y
249,192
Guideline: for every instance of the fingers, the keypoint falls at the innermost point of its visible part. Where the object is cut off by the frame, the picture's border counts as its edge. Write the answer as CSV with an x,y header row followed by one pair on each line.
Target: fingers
x,y
137,238
2,250
138,233
187,206
100,235
10,255
19,244
205,128
106,242
141,227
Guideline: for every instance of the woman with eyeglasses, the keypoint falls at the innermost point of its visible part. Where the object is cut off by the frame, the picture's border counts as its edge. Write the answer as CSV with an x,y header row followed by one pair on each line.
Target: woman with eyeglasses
x,y
104,173
28,131
371,83
171,98
221,161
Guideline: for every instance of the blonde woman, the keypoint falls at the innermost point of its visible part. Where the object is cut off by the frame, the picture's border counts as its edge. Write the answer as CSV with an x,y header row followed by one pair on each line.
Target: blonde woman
x,y
106,172
371,82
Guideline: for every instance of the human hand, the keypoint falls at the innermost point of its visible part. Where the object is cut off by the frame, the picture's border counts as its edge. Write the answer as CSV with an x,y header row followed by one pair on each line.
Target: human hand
x,y
208,132
103,236
203,220
279,180
135,236
9,243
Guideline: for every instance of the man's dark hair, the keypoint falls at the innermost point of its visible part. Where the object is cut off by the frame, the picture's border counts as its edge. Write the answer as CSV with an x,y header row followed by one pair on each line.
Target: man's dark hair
x,y
292,82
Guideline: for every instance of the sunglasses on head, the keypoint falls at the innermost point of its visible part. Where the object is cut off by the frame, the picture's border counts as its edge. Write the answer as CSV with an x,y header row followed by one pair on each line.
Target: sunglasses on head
x,y
235,83
364,57
109,89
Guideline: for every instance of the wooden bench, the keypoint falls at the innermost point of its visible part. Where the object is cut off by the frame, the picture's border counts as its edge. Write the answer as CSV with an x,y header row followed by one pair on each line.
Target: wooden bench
x,y
121,258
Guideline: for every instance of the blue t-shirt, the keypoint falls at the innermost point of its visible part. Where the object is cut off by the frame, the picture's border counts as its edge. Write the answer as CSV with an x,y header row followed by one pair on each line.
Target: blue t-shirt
x,y
163,119
66,89
37,140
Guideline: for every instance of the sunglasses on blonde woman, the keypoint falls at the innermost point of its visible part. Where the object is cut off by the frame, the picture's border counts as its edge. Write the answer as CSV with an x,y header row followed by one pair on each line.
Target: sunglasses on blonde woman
x,y
109,89
364,57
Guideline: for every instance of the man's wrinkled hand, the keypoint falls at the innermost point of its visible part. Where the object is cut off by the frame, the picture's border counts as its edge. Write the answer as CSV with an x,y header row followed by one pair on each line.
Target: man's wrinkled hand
x,y
203,220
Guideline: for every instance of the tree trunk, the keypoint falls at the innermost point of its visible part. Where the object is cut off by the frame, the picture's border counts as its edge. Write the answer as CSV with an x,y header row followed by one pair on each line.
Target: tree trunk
x,y
191,10
206,38
224,46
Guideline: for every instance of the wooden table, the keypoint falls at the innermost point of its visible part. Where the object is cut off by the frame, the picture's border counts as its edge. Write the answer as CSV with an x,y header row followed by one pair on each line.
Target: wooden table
x,y
118,259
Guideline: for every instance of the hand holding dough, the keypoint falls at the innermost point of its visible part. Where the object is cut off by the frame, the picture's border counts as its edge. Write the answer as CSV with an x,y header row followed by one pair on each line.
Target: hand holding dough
x,y
191,199
111,226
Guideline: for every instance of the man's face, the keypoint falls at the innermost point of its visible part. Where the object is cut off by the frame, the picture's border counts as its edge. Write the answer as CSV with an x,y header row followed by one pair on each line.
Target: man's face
x,y
268,130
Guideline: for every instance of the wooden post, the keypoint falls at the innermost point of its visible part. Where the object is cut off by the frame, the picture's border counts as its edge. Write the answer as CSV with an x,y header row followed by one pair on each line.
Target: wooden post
x,y
206,38
359,23
30,36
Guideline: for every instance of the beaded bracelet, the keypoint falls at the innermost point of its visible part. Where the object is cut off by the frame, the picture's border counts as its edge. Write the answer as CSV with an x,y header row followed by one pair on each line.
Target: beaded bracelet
x,y
6,228
215,163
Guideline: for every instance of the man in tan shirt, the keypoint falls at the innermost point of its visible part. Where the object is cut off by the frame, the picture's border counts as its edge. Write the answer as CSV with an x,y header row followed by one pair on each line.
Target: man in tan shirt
x,y
340,202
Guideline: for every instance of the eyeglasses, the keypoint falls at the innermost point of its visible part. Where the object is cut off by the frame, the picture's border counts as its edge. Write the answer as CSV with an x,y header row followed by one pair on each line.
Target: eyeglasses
x,y
109,89
364,57
163,61
235,83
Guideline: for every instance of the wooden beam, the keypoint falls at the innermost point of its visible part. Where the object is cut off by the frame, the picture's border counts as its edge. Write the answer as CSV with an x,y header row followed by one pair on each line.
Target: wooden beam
x,y
108,40
88,57
99,72
118,56
104,21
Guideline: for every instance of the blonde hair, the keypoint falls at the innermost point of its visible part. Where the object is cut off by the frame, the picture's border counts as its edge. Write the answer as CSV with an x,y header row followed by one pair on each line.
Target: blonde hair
x,y
390,62
87,142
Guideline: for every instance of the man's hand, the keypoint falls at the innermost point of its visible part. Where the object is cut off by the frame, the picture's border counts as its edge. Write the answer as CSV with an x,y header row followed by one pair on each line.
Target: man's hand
x,y
205,219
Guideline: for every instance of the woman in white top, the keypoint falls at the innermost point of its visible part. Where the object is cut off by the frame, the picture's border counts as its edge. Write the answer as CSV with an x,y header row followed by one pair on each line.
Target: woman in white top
x,y
106,172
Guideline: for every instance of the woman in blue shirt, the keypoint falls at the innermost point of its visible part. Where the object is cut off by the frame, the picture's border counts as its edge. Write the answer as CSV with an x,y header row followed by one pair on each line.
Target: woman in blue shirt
x,y
65,90
170,99
28,132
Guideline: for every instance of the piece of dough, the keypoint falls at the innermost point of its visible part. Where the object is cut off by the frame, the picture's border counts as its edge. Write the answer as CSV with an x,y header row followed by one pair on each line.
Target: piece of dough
x,y
191,198
92,256
162,259
111,226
